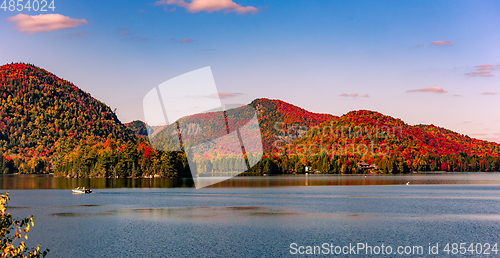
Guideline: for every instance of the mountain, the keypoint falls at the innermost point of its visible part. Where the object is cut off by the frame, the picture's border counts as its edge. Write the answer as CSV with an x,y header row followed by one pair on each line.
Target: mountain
x,y
38,109
436,137
273,116
47,124
139,128
389,144
358,137
282,123
276,115
425,139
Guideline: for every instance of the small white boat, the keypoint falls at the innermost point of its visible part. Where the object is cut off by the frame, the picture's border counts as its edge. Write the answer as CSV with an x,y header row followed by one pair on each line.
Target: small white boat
x,y
81,190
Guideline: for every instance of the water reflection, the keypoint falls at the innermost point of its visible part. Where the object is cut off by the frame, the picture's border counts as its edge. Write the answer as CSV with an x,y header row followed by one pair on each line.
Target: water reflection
x,y
209,213
346,180
50,182
72,214
230,214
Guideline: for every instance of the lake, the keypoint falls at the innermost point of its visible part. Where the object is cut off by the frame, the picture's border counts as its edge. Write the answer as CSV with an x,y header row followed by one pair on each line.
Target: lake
x,y
280,216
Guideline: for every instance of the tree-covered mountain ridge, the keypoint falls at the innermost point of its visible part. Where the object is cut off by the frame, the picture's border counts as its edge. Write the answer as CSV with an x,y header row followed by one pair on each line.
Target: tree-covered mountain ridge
x,y
283,123
39,111
371,126
47,124
294,138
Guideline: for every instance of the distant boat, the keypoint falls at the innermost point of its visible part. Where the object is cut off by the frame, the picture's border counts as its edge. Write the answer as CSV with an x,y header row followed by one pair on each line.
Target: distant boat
x,y
407,183
81,190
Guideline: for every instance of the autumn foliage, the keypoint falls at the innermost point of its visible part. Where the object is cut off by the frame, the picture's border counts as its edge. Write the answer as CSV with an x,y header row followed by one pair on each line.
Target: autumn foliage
x,y
47,124
38,109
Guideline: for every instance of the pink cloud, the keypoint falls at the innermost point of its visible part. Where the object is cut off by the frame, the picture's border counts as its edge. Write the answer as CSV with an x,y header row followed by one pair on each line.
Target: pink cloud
x,y
442,43
484,67
224,95
482,71
419,45
431,89
457,95
480,74
354,95
44,22
209,6
183,40
489,93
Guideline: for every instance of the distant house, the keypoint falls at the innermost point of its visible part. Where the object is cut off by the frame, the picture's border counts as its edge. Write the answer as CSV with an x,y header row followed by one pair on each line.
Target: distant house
x,y
366,167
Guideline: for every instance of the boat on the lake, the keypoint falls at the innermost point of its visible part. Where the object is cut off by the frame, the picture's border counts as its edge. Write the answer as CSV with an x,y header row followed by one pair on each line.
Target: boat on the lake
x,y
81,190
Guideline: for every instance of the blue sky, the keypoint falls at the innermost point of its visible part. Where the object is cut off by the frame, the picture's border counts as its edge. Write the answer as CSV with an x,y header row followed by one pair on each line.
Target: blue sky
x,y
422,61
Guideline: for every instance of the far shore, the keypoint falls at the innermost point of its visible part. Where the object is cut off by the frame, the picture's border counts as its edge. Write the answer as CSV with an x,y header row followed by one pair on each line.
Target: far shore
x,y
277,175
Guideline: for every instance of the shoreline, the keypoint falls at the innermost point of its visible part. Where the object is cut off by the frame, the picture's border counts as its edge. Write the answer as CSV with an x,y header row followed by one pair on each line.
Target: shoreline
x,y
264,176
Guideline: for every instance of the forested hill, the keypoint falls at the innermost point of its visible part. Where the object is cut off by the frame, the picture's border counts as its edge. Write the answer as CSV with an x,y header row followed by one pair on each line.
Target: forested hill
x,y
394,146
47,124
275,115
38,108
139,128
292,138
283,123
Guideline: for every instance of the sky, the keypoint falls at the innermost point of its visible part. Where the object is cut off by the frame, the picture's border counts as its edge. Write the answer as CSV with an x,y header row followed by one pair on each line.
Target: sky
x,y
430,62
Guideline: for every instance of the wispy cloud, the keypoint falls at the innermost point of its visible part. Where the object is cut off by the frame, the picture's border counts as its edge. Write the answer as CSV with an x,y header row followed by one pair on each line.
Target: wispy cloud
x,y
419,45
484,67
224,95
482,71
489,93
480,74
431,89
209,6
44,22
72,35
137,38
128,35
457,95
354,95
442,43
124,31
183,40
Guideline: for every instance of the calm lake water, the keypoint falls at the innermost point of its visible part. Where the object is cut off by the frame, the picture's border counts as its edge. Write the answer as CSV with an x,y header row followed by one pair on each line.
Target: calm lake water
x,y
259,217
